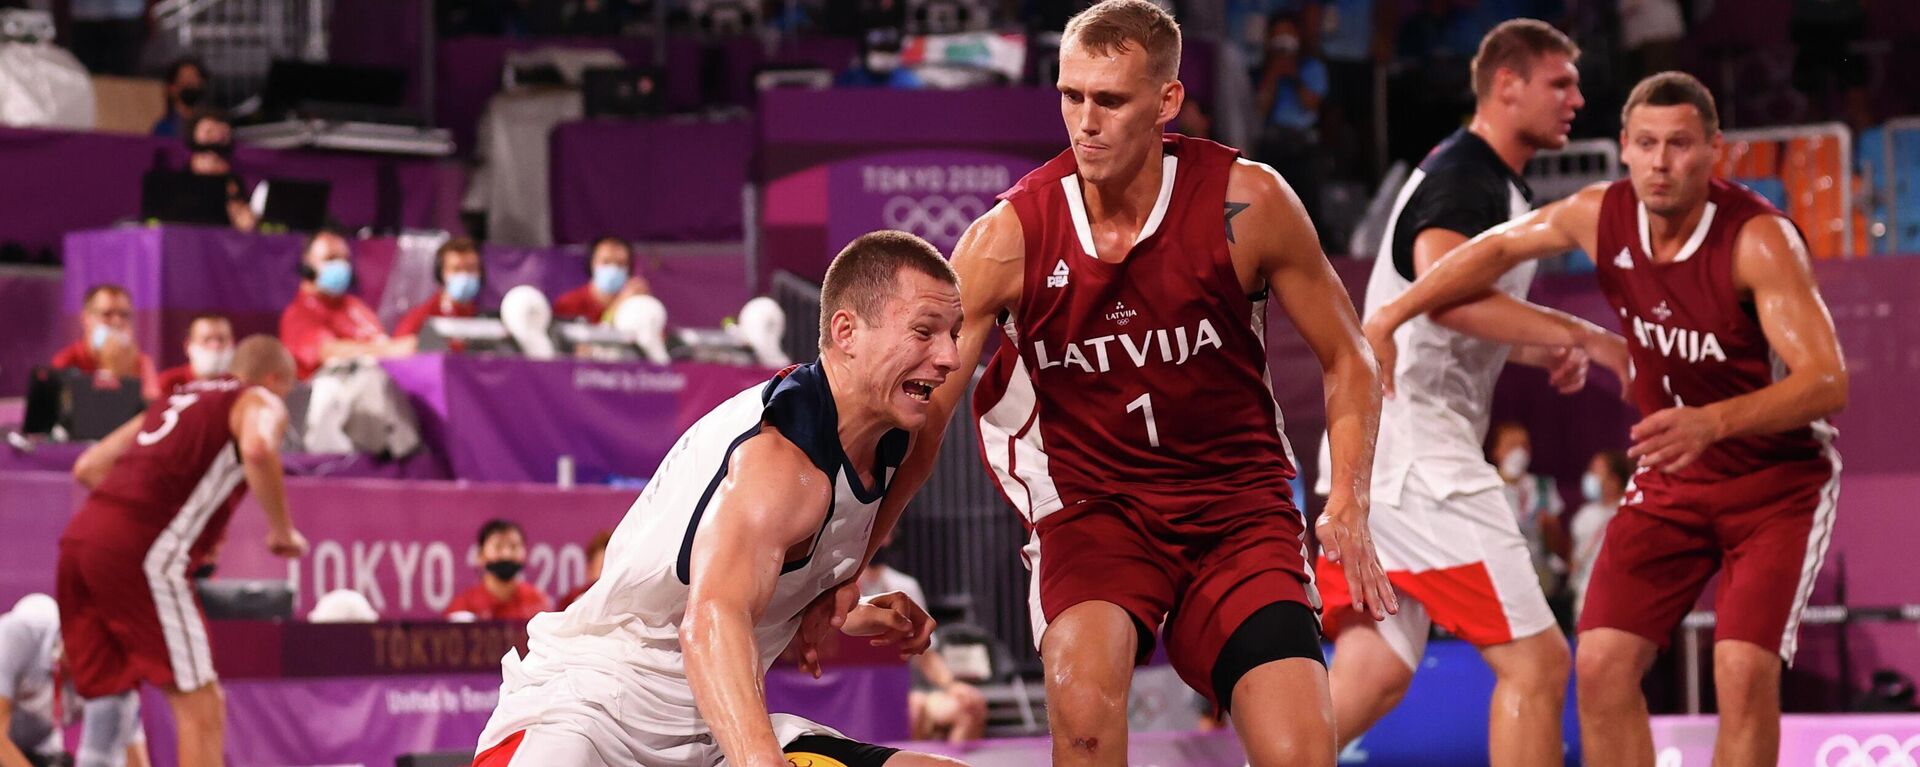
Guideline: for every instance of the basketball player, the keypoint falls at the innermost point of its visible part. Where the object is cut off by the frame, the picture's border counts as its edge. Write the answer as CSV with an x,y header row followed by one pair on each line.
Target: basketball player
x,y
763,505
164,486
1446,532
1736,366
1127,414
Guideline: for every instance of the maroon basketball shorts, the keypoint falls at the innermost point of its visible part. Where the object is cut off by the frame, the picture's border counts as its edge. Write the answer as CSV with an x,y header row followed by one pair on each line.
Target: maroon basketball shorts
x,y
128,617
1199,564
1765,533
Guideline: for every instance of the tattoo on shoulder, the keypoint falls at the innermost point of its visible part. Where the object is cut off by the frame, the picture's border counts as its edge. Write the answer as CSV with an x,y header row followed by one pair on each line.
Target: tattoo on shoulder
x,y
1234,209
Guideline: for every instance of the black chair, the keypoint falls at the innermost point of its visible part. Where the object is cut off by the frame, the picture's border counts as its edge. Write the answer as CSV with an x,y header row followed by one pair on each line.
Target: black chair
x,y
435,759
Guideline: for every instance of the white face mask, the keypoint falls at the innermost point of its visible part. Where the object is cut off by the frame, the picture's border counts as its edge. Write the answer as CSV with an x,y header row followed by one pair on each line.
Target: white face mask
x,y
1590,486
1514,465
209,362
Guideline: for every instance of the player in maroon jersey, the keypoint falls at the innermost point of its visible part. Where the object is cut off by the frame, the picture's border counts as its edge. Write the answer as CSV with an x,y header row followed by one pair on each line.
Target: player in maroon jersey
x,y
1127,414
1736,366
163,487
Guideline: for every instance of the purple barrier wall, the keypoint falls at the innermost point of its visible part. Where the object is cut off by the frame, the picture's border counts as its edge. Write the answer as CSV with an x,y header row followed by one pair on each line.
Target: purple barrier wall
x,y
835,164
653,180
30,310
59,181
506,419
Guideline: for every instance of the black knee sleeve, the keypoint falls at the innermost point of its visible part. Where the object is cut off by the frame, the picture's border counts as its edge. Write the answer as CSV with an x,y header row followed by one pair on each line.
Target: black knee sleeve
x,y
1278,631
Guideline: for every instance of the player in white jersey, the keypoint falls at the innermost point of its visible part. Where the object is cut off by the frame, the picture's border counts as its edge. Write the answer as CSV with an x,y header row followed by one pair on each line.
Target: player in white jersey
x,y
1445,532
764,506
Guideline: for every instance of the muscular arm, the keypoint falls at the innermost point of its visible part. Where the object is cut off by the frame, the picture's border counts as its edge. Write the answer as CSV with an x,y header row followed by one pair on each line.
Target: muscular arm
x,y
1471,269
1274,244
1542,337
1770,260
772,499
259,423
92,467
988,259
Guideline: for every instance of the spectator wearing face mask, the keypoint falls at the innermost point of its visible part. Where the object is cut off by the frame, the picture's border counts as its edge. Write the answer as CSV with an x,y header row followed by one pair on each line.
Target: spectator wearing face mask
x,y
611,280
324,322
186,91
456,268
1604,484
209,354
1536,502
1290,87
105,349
210,145
501,593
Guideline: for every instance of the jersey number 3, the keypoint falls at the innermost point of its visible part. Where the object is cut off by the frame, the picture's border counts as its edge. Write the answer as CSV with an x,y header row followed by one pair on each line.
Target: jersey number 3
x,y
1145,402
168,420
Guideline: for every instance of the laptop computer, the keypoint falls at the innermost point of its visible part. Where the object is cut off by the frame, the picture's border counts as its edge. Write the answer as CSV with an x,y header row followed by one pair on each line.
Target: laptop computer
x,y
179,197
297,205
622,92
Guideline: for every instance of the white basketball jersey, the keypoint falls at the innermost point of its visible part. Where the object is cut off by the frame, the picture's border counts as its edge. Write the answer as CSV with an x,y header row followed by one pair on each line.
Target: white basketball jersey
x,y
1443,382
627,625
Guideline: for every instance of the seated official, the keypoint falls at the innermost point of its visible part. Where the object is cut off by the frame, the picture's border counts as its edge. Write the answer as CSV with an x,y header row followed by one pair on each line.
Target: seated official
x,y
209,354
325,323
501,594
210,142
612,279
105,348
596,561
457,270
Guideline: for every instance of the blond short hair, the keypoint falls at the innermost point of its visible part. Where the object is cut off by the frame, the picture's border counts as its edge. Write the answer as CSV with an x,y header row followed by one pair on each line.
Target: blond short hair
x,y
1116,26
1668,89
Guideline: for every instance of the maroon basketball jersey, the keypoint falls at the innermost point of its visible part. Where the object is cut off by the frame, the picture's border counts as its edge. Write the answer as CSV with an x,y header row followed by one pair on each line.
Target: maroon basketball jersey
x,y
1151,371
1694,337
177,483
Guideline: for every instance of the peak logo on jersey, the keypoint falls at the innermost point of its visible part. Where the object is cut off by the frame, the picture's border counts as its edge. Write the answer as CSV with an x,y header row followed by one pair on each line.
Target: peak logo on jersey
x,y
1689,345
1173,347
1624,260
1059,277
1662,312
1121,315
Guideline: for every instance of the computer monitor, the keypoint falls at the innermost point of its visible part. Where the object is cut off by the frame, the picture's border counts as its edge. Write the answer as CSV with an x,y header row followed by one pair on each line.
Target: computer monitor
x,y
179,197
93,411
298,205
622,92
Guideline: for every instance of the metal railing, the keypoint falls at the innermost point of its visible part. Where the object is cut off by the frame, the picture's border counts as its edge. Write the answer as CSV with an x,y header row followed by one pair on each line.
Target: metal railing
x,y
1815,165
1693,676
1901,192
239,39
1558,173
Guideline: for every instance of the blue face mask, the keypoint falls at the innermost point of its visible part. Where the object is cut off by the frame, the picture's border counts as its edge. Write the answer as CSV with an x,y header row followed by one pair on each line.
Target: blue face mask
x,y
98,337
334,277
609,279
463,287
1590,486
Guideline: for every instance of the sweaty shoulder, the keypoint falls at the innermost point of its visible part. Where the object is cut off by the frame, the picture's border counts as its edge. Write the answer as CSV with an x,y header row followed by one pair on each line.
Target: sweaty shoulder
x,y
989,259
1265,222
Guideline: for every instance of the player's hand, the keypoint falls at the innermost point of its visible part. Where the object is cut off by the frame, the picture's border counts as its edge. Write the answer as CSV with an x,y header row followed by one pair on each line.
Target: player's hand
x,y
1609,350
892,619
826,613
1380,337
287,543
1671,439
1568,372
1345,539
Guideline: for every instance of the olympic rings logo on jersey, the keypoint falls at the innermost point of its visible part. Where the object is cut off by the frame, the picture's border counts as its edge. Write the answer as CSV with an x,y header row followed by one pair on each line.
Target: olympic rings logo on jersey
x,y
936,217
1875,751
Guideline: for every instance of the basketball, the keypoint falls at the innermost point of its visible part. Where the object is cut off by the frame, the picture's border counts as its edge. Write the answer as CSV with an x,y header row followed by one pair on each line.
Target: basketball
x,y
809,759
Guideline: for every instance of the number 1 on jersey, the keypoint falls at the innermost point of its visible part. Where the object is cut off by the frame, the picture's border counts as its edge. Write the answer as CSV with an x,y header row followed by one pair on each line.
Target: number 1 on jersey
x,y
1145,402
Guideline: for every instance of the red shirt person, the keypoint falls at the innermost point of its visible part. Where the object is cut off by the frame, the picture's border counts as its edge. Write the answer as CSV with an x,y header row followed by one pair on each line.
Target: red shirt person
x,y
324,322
456,269
163,487
501,594
106,345
209,354
596,560
611,278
